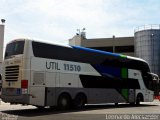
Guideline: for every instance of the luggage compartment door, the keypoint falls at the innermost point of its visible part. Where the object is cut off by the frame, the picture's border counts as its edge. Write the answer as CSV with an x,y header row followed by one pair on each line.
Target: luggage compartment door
x,y
37,88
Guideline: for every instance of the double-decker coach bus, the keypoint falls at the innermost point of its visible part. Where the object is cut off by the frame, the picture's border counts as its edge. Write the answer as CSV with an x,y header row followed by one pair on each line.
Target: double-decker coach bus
x,y
43,74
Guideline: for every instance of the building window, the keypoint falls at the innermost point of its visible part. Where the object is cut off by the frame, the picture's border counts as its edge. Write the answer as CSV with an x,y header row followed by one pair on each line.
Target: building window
x,y
107,49
121,49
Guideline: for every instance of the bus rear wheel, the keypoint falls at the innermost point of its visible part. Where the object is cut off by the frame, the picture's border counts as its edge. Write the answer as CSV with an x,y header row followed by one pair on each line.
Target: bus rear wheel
x,y
64,102
40,107
79,101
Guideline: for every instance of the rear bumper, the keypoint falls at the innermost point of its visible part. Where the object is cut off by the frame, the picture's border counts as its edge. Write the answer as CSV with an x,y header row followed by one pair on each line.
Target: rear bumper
x,y
12,96
21,99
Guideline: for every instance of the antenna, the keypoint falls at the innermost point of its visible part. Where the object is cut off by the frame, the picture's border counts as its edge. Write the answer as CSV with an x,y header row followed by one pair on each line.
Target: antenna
x,y
3,21
83,29
81,32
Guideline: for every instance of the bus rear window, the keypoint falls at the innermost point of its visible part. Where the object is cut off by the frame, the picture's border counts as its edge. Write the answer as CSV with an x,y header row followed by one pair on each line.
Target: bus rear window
x,y
14,48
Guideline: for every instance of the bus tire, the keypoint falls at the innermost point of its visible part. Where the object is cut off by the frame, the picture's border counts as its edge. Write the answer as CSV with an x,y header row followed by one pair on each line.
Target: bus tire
x,y
40,107
132,103
64,101
116,104
79,101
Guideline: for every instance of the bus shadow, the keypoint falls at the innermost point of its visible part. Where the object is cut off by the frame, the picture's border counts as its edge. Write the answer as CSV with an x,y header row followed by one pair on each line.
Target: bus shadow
x,y
47,111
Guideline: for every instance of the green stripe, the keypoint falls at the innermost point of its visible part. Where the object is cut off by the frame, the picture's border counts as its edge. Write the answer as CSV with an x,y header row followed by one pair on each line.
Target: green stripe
x,y
124,73
123,56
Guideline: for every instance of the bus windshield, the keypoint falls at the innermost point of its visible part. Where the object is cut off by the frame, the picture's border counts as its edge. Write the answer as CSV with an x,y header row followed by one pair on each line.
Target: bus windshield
x,y
14,48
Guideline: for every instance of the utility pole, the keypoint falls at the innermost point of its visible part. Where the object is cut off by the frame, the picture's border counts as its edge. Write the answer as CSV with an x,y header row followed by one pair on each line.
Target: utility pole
x,y
1,43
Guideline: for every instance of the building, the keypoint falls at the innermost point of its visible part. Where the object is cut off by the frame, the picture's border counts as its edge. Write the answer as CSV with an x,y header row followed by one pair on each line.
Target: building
x,y
144,44
147,45
122,45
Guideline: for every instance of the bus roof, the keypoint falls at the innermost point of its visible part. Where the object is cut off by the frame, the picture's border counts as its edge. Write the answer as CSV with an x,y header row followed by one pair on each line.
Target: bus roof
x,y
40,41
83,48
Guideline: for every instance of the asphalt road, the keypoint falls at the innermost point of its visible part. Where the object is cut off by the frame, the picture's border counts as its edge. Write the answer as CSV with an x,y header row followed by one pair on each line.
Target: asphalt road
x,y
150,111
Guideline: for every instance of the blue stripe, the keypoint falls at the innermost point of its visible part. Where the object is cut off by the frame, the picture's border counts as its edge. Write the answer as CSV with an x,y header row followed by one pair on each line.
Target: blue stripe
x,y
96,51
108,70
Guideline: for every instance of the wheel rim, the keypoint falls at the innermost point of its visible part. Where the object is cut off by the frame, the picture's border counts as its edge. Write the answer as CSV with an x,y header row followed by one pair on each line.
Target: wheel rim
x,y
64,102
79,101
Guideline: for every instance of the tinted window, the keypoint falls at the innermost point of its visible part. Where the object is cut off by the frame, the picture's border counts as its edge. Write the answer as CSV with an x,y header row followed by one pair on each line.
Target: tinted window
x,y
14,48
120,49
148,80
108,82
44,50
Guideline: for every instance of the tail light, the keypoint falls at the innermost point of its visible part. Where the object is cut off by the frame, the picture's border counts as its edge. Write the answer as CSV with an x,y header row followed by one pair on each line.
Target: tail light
x,y
24,86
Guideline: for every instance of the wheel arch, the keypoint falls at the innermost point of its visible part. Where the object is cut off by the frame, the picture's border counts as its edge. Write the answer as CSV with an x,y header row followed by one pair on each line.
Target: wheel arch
x,y
64,93
141,96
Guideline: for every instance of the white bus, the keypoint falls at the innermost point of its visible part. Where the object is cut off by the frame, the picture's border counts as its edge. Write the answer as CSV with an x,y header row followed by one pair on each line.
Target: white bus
x,y
43,74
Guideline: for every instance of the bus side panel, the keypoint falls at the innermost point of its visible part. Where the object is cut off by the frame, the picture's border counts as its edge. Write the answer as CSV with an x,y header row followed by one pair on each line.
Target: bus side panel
x,y
52,80
147,94
37,84
135,74
68,80
61,83
99,95
37,96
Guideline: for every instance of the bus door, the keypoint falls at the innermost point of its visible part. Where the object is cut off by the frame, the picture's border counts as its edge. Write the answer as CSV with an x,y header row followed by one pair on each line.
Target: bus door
x,y
156,86
37,89
150,87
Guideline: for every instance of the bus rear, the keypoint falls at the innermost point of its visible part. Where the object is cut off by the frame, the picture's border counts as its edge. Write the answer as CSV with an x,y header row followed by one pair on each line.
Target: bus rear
x,y
14,87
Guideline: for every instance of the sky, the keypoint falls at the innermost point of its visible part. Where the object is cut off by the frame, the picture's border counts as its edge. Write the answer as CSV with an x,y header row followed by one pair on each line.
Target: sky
x,y
58,20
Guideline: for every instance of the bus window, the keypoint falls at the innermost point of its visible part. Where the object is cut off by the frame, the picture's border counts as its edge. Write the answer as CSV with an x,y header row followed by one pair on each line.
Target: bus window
x,y
14,48
148,80
156,84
